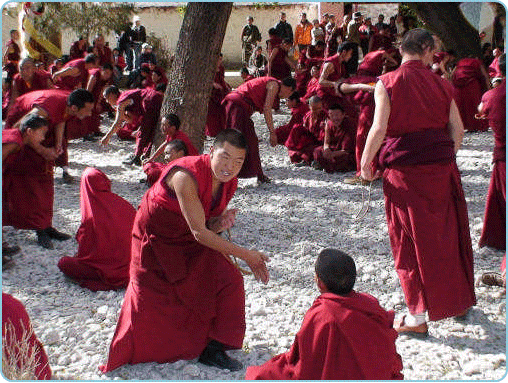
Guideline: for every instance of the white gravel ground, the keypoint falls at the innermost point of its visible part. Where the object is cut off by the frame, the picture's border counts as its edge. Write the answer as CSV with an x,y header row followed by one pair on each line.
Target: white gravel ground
x,y
299,213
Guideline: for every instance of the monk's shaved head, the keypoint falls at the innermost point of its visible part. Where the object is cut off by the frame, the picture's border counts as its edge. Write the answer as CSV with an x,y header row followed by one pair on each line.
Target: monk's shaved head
x,y
336,270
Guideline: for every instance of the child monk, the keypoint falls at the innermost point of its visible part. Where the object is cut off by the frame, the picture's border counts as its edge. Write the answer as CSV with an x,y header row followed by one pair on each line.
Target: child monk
x,y
345,335
104,237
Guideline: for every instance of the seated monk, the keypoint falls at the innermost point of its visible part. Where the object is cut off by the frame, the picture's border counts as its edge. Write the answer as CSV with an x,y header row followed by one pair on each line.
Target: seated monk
x,y
345,335
303,139
298,110
23,356
338,151
185,297
313,84
173,150
104,237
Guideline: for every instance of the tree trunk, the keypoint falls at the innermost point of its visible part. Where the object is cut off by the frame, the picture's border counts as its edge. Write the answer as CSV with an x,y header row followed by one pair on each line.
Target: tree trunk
x,y
191,75
447,21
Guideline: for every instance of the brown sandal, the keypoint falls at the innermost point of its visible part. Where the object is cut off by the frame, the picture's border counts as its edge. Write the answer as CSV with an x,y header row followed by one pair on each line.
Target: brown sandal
x,y
493,279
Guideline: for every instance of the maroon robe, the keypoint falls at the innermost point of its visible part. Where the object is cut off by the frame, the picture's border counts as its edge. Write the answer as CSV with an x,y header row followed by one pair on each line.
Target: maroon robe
x,y
494,70
303,139
494,223
104,237
240,104
342,138
146,105
73,82
76,52
372,64
11,65
347,337
27,186
425,206
11,136
312,88
280,69
469,85
105,55
216,117
14,313
181,294
297,115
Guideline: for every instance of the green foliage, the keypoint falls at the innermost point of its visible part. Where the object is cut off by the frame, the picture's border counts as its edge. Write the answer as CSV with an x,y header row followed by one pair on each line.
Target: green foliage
x,y
161,49
271,5
407,12
84,18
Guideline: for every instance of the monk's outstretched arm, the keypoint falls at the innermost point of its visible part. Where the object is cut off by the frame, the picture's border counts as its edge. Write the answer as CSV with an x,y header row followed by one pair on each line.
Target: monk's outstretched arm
x,y
377,132
119,118
186,191
158,152
272,89
70,71
351,88
455,126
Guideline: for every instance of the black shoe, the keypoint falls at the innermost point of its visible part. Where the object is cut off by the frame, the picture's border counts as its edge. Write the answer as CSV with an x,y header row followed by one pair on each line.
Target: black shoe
x,y
44,240
7,262
67,178
90,137
9,250
214,355
55,234
133,160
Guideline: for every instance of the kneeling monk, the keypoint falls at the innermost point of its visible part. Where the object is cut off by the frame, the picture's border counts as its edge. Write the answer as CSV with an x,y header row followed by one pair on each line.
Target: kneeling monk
x,y
185,297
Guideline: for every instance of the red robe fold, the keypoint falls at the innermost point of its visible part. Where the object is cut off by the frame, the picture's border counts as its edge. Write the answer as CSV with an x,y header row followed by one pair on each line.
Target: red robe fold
x,y
11,136
216,117
27,187
303,139
469,85
494,223
73,82
181,294
425,205
104,237
297,115
342,138
14,313
280,69
342,338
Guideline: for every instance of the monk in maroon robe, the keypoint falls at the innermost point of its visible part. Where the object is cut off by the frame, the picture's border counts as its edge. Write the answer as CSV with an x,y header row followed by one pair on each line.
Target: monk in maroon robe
x,y
102,51
12,55
170,126
216,117
185,296
28,185
337,154
16,326
298,111
470,80
310,57
104,237
78,48
173,150
259,95
425,205
493,107
144,104
74,74
279,63
345,335
305,138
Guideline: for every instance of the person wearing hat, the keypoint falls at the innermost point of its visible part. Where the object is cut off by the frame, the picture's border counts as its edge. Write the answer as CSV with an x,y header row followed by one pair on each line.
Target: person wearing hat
x,y
345,335
137,38
353,36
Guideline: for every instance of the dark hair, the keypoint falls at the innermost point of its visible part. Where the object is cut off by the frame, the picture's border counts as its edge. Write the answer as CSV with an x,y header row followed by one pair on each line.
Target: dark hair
x,y
12,31
272,31
79,98
145,68
502,63
173,120
90,58
178,145
294,96
287,40
107,66
289,82
244,70
336,107
320,44
89,49
337,271
231,136
161,87
415,41
346,46
112,89
32,121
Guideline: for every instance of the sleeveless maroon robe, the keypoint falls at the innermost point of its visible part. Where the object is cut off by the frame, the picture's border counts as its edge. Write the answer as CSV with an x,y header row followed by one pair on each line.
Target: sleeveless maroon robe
x,y
494,223
469,85
146,106
73,82
240,104
280,69
181,294
14,313
104,237
28,185
343,138
425,205
216,117
348,337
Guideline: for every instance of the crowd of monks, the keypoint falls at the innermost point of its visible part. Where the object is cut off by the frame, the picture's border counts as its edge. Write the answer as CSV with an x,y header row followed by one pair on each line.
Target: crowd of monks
x,y
399,115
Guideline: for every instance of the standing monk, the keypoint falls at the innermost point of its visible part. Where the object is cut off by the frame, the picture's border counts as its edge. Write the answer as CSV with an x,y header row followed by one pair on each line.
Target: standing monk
x,y
259,95
425,205
11,56
28,185
144,104
493,107
186,297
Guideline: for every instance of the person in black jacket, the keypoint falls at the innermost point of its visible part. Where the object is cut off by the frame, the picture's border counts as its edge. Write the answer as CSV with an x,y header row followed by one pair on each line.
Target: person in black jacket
x,y
283,28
